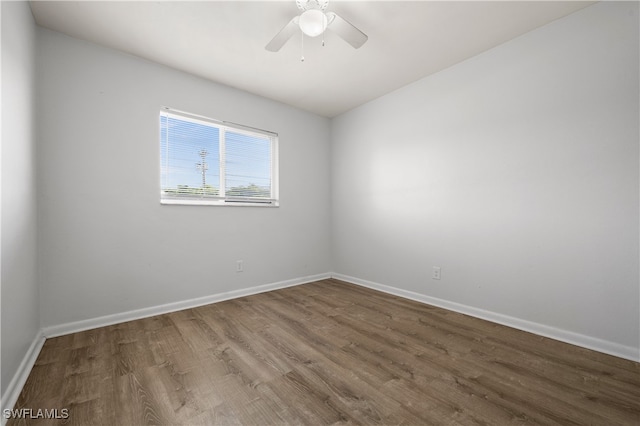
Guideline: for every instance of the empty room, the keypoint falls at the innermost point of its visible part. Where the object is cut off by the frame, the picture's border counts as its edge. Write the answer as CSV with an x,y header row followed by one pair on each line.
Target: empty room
x,y
320,212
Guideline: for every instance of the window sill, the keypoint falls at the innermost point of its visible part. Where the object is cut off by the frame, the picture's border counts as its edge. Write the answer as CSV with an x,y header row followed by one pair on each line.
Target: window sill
x,y
216,203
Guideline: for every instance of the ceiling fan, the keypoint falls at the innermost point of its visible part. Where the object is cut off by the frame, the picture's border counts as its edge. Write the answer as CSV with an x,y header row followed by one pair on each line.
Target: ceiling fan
x,y
314,21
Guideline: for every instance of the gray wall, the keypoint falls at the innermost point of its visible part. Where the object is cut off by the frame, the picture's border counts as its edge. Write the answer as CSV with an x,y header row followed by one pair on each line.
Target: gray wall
x,y
20,317
515,171
107,244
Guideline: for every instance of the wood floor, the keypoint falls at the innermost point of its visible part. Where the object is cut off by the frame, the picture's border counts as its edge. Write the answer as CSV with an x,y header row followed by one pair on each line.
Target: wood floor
x,y
326,353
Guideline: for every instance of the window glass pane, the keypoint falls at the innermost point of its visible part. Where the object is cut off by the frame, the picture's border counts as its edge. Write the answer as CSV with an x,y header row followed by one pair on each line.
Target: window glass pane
x,y
189,158
247,165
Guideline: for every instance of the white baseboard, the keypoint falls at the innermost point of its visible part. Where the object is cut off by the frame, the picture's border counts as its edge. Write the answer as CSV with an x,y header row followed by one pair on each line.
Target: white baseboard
x,y
88,324
604,346
12,392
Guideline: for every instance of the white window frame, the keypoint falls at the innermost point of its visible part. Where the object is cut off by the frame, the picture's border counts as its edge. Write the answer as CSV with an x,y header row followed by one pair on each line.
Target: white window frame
x,y
222,199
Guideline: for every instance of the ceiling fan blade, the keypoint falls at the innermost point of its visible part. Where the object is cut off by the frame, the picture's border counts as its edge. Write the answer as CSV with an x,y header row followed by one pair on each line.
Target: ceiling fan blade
x,y
346,30
285,34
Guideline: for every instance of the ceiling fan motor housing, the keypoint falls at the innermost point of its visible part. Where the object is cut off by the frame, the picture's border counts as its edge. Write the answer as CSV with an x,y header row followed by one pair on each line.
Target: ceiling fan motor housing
x,y
312,4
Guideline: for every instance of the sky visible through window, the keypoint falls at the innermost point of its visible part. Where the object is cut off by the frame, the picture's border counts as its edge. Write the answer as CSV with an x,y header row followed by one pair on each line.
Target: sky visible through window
x,y
184,144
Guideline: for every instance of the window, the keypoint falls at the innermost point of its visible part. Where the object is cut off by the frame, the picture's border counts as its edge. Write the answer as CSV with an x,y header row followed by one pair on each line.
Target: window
x,y
203,161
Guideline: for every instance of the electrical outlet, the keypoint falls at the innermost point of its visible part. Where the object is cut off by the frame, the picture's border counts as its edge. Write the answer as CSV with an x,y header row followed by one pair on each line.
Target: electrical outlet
x,y
436,273
239,265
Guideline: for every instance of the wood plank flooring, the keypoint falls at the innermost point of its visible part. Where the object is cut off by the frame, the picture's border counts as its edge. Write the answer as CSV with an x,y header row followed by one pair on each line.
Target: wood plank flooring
x,y
326,353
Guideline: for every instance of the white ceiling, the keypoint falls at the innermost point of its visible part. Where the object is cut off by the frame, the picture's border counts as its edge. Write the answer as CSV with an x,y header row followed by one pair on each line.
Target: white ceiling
x,y
224,41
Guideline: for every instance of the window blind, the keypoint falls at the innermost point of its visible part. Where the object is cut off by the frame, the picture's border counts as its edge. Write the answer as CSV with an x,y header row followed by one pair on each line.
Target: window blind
x,y
206,162
247,166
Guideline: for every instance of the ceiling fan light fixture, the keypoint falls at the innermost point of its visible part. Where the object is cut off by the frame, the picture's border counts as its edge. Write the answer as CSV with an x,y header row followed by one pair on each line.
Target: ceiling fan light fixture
x,y
313,22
